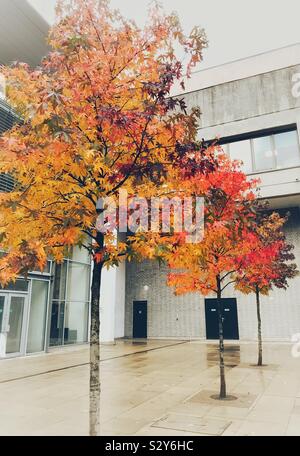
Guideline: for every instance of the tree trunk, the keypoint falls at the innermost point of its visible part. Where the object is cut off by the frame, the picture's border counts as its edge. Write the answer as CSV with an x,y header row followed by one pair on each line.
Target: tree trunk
x,y
95,385
259,362
221,341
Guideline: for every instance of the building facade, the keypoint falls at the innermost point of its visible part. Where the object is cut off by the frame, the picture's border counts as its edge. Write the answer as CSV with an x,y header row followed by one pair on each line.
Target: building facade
x,y
51,308
253,107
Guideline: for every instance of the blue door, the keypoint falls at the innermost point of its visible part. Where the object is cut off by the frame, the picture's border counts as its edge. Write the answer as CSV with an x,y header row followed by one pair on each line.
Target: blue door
x,y
140,319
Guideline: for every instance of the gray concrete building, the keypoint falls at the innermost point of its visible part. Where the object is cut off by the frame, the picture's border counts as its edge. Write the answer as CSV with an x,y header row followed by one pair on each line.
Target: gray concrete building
x,y
253,107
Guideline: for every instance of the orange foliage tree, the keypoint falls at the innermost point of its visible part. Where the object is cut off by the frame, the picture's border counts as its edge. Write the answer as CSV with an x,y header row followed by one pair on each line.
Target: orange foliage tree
x,y
97,117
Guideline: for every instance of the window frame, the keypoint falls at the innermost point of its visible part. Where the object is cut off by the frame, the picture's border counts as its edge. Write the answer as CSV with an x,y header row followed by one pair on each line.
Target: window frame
x,y
225,143
67,302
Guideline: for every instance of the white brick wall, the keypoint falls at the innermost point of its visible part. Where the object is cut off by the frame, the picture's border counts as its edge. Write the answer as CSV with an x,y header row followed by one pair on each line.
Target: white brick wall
x,y
184,316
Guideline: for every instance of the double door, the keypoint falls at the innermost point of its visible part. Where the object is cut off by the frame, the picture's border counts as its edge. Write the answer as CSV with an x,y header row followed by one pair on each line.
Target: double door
x,y
229,316
13,317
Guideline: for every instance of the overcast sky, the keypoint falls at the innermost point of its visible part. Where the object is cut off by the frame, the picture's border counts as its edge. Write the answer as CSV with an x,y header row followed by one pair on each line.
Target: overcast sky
x,y
235,28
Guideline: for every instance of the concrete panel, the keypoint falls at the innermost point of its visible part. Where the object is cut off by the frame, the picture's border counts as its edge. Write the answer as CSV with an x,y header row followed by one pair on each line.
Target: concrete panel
x,y
246,98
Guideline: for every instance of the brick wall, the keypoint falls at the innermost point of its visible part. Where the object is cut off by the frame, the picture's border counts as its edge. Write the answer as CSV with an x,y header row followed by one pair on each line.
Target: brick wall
x,y
184,316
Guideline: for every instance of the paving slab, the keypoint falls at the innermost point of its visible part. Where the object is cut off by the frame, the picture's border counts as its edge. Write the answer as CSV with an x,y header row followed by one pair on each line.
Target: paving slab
x,y
144,382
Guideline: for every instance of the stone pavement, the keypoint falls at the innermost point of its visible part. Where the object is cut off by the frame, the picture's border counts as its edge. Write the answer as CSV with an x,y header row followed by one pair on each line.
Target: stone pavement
x,y
156,388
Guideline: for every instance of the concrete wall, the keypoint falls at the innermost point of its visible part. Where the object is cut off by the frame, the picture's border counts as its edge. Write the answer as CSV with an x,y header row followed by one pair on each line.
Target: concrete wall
x,y
234,107
173,316
266,62
112,304
107,305
247,98
259,102
241,99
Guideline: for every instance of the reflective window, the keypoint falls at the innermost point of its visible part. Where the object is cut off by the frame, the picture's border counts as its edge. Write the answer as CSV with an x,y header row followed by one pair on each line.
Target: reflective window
x,y
263,153
70,306
287,149
81,255
37,318
18,285
60,278
2,303
241,150
16,309
76,322
78,282
57,323
47,268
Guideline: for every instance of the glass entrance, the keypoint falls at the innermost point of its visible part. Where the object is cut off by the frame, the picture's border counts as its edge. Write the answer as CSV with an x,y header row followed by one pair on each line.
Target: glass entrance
x,y
13,311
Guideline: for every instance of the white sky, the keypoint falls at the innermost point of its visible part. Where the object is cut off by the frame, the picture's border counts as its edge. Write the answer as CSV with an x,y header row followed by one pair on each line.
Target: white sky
x,y
235,28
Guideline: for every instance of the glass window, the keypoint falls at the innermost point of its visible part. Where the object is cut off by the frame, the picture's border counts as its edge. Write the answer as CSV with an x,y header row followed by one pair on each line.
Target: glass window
x,y
263,153
47,268
70,306
16,309
81,255
2,303
57,323
287,149
18,285
59,285
37,319
78,282
76,322
241,150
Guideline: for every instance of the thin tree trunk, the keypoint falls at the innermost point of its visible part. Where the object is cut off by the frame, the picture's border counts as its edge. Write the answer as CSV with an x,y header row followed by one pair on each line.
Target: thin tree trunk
x,y
221,341
259,362
95,385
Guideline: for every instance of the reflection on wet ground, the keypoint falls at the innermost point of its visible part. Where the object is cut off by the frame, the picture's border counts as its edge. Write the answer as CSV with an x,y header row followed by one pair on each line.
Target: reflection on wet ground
x,y
137,342
232,354
153,388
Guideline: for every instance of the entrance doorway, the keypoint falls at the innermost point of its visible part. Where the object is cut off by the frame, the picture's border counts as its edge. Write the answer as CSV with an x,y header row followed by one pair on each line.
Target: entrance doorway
x,y
13,317
140,319
230,319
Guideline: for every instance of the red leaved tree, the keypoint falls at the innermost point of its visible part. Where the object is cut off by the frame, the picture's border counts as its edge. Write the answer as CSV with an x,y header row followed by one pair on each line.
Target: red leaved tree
x,y
267,264
208,266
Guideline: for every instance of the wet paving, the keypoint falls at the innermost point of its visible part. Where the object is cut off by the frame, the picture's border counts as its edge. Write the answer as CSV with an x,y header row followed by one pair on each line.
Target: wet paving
x,y
154,388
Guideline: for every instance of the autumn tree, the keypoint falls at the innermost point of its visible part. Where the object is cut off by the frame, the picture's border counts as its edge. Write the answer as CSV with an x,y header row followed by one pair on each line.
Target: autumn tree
x,y
208,266
97,117
267,265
